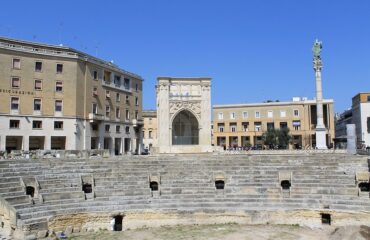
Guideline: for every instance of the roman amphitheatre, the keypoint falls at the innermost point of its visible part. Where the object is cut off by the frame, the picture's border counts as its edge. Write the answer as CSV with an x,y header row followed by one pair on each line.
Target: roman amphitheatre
x,y
46,196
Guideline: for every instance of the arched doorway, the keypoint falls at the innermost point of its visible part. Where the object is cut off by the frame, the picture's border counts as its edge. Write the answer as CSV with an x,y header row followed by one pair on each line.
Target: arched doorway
x,y
185,129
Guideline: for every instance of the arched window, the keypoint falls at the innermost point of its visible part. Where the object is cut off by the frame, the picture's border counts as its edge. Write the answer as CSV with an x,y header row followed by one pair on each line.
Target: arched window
x,y
185,129
30,190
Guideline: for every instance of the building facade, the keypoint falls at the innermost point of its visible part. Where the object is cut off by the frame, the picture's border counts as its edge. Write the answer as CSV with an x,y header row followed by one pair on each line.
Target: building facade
x,y
241,125
359,114
56,97
150,129
184,115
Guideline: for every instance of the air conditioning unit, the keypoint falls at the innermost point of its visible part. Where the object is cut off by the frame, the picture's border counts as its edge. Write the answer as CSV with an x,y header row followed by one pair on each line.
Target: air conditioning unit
x,y
107,95
95,93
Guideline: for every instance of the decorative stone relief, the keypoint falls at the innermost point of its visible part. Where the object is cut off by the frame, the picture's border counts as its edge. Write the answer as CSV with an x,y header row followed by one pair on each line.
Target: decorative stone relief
x,y
193,106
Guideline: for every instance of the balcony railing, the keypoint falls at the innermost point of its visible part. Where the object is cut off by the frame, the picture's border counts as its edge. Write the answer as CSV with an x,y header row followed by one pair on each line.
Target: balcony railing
x,y
115,86
93,117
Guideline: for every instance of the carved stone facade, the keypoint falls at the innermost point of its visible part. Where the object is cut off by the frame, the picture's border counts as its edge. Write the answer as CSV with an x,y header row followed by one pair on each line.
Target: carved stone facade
x,y
184,115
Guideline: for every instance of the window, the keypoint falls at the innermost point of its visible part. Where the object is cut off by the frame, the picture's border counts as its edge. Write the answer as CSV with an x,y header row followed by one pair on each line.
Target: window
x,y
95,108
126,83
107,127
283,113
270,114
16,82
127,129
107,94
136,101
118,112
38,85
127,114
118,128
58,105
58,125
220,115
59,86
257,126
297,125
270,125
127,100
368,124
232,115
36,124
59,68
107,110
38,66
36,104
257,114
233,127
368,98
136,87
95,127
150,134
117,80
283,125
118,97
136,114
245,114
14,124
95,91
245,126
16,63
14,102
95,75
296,113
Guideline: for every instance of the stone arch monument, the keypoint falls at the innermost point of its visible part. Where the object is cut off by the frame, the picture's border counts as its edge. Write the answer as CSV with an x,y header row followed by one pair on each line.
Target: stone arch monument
x,y
184,115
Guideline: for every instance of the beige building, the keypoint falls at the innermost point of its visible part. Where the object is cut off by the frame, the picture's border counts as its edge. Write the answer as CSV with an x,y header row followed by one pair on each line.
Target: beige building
x,y
150,129
240,125
55,97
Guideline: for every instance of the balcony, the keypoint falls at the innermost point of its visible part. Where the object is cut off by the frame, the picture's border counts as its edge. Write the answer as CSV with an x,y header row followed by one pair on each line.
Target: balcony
x,y
94,117
137,122
113,85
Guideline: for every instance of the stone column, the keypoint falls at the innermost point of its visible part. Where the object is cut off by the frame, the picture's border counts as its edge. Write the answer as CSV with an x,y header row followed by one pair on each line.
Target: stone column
x,y
320,127
2,142
26,143
163,115
47,143
205,134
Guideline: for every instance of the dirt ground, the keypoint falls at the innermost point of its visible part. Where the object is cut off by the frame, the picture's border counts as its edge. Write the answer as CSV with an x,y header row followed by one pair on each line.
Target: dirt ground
x,y
233,232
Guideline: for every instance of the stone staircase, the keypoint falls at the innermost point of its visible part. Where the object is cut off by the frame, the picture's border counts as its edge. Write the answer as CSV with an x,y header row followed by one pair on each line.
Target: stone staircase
x,y
185,183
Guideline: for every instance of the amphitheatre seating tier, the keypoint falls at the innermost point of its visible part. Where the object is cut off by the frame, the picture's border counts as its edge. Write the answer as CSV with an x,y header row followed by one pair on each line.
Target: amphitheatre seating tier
x,y
185,183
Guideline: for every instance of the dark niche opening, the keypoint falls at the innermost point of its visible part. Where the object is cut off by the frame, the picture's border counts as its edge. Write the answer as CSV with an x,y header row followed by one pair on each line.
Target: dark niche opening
x,y
325,218
30,191
153,185
117,223
87,188
364,186
285,184
220,184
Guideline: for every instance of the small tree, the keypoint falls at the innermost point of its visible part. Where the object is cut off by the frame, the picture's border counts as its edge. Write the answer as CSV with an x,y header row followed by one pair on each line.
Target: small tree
x,y
270,138
284,138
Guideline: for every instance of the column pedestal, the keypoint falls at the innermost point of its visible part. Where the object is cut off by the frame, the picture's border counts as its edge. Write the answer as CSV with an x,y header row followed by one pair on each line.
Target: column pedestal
x,y
321,138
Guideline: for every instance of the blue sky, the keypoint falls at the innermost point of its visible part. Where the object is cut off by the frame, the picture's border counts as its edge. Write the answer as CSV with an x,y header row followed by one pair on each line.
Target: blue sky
x,y
254,50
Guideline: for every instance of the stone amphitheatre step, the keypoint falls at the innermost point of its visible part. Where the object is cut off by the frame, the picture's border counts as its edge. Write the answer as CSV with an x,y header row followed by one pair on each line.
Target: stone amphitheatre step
x,y
22,199
63,195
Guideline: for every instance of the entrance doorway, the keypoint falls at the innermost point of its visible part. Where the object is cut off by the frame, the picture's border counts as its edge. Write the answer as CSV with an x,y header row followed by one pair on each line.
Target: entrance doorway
x,y
13,143
36,143
127,145
185,129
58,143
117,146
